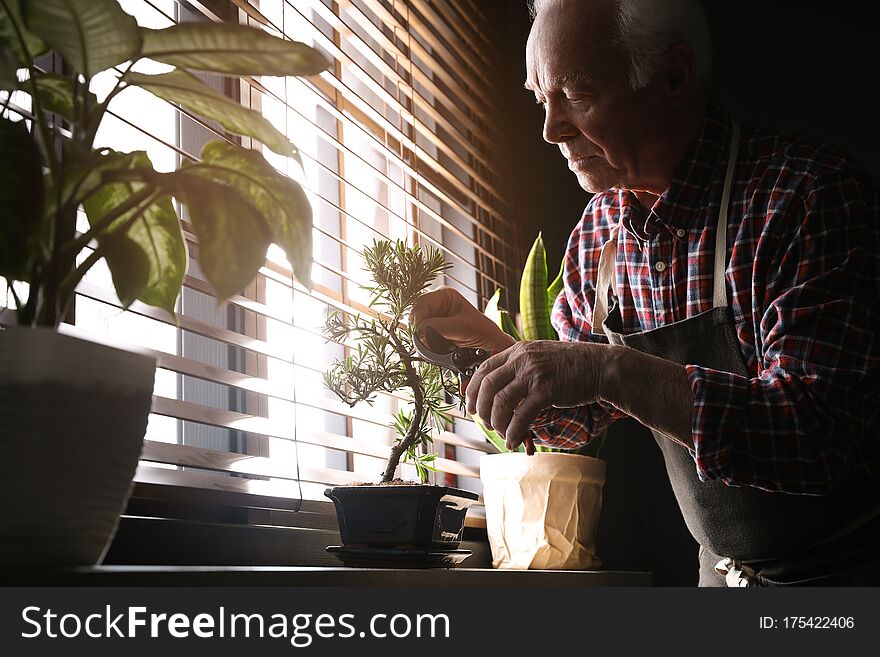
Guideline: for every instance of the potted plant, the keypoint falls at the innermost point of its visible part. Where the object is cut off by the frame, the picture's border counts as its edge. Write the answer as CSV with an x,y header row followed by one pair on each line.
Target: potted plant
x,y
73,413
395,521
542,510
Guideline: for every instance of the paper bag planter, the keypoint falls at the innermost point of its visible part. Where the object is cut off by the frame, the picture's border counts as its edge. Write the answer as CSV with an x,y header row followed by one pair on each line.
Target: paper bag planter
x,y
542,511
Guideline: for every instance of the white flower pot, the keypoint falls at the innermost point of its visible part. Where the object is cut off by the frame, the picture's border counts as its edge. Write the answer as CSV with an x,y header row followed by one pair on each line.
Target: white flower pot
x,y
73,415
542,511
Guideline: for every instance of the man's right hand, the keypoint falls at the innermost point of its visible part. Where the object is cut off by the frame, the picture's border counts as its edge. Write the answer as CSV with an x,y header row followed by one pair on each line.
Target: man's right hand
x,y
453,317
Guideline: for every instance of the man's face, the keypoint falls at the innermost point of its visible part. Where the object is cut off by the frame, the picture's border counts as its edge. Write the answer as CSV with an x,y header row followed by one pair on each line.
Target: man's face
x,y
600,124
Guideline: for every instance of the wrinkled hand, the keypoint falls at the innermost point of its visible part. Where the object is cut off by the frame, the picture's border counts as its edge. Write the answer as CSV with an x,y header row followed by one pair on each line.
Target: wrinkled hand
x,y
453,317
446,311
511,388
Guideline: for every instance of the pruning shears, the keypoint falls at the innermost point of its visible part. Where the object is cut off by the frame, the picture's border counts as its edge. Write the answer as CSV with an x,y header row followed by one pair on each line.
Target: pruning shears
x,y
436,349
464,361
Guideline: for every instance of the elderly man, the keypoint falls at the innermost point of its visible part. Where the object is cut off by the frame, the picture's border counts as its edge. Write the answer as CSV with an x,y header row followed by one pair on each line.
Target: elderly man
x,y
721,288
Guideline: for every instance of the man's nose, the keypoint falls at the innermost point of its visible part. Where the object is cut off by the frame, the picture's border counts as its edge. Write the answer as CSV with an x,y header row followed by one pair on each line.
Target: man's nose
x,y
557,126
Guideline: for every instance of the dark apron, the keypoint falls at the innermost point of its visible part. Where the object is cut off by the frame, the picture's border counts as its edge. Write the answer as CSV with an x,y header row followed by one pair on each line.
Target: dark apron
x,y
747,536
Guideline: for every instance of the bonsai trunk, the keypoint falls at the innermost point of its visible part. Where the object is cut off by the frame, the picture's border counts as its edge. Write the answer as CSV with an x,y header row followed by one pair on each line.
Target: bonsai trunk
x,y
400,448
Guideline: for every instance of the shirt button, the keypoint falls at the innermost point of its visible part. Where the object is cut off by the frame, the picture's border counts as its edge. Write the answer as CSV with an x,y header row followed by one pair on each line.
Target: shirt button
x,y
660,266
680,232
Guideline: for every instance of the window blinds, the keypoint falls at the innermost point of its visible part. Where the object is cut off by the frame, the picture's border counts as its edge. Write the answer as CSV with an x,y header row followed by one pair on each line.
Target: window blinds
x,y
398,141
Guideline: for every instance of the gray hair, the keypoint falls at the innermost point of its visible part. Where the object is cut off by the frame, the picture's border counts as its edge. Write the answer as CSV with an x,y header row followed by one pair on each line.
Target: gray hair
x,y
646,29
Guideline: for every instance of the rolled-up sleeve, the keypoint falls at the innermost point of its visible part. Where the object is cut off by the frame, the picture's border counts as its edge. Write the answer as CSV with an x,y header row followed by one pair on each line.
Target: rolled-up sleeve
x,y
809,416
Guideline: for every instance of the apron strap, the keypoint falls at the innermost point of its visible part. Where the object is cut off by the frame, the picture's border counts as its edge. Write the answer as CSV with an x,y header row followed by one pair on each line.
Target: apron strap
x,y
719,295
606,274
604,281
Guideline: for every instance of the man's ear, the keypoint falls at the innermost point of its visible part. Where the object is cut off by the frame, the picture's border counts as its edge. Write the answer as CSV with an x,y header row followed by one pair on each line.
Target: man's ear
x,y
676,75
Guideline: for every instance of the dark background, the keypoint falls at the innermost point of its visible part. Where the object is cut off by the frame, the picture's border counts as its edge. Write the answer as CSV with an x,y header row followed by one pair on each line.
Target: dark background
x,y
805,66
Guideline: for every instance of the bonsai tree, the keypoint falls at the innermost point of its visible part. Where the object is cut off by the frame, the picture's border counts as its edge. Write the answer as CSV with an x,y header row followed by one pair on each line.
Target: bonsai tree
x,y
237,202
536,299
383,357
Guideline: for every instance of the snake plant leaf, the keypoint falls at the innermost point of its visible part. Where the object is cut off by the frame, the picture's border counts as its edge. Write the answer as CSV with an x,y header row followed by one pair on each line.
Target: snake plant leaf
x,y
148,260
281,200
493,436
501,317
233,236
509,326
15,38
21,200
533,295
556,286
492,310
91,35
187,90
230,49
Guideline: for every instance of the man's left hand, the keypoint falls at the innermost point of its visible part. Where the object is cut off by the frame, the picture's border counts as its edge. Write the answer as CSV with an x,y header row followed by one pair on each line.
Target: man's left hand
x,y
510,389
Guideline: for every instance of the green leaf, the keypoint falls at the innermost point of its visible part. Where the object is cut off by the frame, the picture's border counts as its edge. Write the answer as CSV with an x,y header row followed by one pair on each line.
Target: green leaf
x,y
13,32
533,296
21,200
233,236
8,67
78,181
193,94
509,326
492,310
56,93
555,287
232,49
501,317
91,35
493,436
129,268
281,200
148,261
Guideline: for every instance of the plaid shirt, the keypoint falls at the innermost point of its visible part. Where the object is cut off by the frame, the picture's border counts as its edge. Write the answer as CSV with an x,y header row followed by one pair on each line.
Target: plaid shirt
x,y
803,285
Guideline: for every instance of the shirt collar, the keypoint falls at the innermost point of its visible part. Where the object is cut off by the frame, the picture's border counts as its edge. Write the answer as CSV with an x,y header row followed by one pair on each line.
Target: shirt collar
x,y
696,178
635,218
